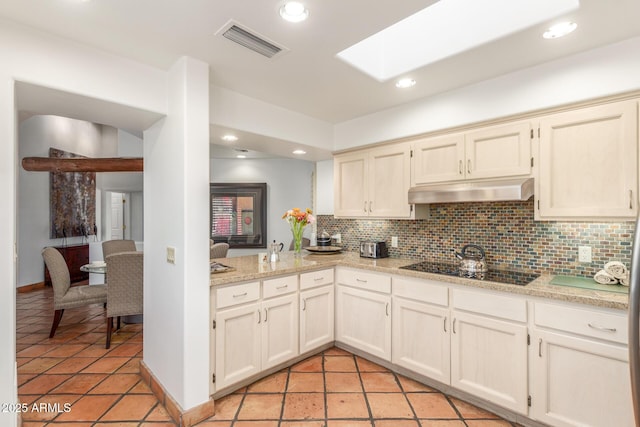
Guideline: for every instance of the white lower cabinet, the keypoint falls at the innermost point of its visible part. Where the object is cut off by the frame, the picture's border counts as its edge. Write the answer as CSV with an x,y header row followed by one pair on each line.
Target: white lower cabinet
x,y
363,311
489,348
317,314
238,338
420,328
580,368
253,336
279,330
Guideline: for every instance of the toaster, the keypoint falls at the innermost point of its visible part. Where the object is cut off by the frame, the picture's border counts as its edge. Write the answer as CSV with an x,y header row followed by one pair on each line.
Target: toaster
x,y
374,250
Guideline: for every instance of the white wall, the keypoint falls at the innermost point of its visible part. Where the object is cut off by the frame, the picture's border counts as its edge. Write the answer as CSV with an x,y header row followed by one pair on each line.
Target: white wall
x,y
234,110
176,296
599,72
324,187
288,186
50,62
36,135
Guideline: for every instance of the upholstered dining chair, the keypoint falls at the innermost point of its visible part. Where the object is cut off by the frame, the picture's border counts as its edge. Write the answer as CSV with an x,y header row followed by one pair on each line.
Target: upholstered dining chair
x,y
124,288
218,250
64,295
114,246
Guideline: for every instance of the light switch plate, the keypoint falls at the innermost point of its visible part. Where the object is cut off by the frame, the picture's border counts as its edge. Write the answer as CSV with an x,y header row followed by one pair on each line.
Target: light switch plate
x,y
394,241
171,255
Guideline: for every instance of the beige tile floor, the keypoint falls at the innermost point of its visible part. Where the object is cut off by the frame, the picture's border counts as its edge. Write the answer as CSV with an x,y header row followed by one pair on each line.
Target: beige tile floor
x,y
103,387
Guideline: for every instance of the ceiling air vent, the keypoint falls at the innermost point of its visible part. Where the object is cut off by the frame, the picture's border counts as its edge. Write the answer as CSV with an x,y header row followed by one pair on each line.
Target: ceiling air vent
x,y
250,39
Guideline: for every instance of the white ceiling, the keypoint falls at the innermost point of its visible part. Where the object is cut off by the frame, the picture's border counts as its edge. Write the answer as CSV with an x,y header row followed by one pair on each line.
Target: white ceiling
x,y
308,79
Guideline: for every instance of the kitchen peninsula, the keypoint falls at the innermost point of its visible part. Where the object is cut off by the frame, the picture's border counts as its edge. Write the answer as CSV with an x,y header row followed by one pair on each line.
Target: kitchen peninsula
x,y
511,349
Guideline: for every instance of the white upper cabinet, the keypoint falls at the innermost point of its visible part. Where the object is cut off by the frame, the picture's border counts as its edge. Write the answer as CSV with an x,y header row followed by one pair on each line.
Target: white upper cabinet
x,y
588,166
373,182
488,152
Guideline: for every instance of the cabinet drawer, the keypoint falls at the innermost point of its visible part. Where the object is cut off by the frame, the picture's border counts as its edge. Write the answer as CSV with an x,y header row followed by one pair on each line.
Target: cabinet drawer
x,y
363,280
588,322
279,286
316,278
237,294
490,304
421,290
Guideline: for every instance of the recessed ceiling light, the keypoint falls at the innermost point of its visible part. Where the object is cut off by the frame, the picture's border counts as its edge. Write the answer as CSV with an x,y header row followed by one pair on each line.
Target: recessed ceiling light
x,y
405,83
559,30
294,11
241,156
229,138
299,152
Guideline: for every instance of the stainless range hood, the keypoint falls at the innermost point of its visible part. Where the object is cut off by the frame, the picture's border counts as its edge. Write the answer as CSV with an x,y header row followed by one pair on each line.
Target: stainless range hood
x,y
487,191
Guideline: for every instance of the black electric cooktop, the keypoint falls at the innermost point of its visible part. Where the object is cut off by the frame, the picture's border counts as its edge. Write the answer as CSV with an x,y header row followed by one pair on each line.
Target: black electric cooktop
x,y
501,276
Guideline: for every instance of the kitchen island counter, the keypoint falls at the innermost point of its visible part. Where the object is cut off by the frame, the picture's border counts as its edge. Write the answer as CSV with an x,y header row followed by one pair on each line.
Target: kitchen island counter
x,y
247,268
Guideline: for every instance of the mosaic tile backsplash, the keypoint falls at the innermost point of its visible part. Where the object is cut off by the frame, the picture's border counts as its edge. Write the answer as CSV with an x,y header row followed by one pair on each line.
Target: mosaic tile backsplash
x,y
506,230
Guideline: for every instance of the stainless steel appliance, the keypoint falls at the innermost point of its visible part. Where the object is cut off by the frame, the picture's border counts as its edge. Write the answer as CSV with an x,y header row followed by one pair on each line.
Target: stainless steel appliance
x,y
634,323
374,250
501,276
472,261
486,191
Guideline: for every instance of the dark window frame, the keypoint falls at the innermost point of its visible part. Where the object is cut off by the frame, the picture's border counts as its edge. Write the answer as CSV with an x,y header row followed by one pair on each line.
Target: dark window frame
x,y
226,195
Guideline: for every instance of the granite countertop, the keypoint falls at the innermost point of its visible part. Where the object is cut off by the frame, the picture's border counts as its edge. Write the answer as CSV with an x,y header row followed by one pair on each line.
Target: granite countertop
x,y
247,268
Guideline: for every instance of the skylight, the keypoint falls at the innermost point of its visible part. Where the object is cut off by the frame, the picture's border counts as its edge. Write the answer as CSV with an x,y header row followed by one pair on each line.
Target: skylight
x,y
444,29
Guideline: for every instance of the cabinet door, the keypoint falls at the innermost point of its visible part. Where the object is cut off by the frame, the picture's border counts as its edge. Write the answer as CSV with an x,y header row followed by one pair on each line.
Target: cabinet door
x,y
364,320
390,179
421,340
498,151
316,317
438,159
489,359
350,180
588,163
279,330
237,344
579,382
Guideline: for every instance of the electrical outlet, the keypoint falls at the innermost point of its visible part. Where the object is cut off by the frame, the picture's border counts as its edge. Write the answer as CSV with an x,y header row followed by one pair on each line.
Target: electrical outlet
x,y
394,241
337,238
584,253
171,255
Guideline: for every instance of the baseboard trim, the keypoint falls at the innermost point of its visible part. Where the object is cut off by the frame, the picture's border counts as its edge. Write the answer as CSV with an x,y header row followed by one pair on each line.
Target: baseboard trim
x,y
30,288
187,418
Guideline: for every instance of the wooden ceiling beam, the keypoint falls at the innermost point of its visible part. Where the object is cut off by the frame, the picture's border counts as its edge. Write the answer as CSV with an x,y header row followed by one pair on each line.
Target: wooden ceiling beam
x,y
83,164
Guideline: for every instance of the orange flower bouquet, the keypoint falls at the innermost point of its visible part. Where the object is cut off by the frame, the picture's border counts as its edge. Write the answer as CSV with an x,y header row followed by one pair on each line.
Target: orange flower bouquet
x,y
297,220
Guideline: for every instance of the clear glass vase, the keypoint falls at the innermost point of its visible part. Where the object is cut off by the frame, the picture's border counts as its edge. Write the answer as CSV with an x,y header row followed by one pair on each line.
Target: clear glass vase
x,y
297,230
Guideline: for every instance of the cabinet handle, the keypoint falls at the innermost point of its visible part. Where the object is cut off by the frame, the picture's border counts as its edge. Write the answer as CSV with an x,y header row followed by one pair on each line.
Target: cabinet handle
x,y
386,309
630,199
469,166
259,317
304,304
282,287
265,315
460,167
454,325
240,295
317,279
445,324
601,328
361,280
540,347
365,206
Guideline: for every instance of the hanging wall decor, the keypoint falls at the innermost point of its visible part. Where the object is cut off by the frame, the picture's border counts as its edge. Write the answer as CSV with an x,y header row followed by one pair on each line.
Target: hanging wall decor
x,y
72,206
